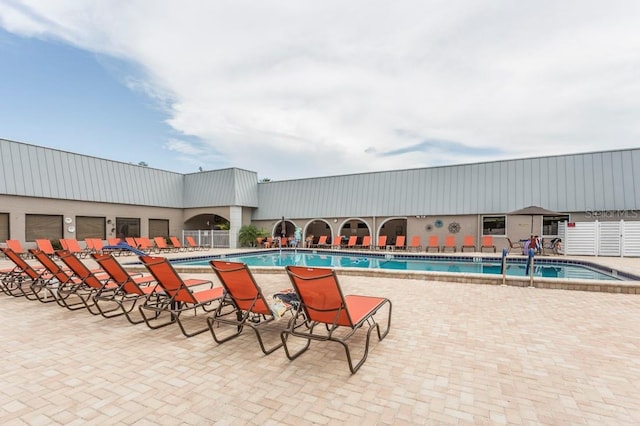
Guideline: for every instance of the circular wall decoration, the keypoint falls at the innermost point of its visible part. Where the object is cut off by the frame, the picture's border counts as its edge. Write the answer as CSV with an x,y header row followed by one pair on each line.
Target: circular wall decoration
x,y
454,227
428,228
68,220
71,228
438,223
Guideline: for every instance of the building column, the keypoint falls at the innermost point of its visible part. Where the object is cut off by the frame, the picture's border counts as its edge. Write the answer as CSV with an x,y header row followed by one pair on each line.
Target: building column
x,y
235,223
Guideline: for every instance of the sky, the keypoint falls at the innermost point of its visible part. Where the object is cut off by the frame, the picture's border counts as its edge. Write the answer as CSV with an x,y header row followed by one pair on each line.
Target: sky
x,y
295,89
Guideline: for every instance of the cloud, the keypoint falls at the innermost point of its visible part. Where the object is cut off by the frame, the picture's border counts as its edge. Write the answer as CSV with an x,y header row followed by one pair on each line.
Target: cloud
x,y
443,147
294,89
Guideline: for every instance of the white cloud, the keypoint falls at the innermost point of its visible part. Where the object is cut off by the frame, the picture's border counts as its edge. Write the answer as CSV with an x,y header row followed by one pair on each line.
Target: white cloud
x,y
293,89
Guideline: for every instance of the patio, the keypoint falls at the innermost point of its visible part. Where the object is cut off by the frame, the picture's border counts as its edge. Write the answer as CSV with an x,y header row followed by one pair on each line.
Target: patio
x,y
456,354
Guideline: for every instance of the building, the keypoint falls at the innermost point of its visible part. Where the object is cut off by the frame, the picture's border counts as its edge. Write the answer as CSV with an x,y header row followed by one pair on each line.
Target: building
x,y
48,193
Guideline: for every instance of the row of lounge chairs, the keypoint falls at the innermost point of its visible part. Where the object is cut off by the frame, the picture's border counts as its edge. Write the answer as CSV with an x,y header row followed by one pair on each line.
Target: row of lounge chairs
x,y
316,308
114,245
400,243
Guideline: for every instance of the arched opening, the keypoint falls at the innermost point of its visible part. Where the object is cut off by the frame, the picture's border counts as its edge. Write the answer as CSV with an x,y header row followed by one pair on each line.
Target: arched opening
x,y
208,230
289,229
207,221
315,229
354,227
392,228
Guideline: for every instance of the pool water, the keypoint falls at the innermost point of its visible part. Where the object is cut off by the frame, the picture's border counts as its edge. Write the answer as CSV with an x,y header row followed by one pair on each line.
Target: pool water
x,y
476,265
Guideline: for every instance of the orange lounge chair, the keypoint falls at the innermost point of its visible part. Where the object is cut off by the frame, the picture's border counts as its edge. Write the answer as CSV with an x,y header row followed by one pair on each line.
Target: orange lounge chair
x,y
468,242
382,242
46,247
366,242
161,244
90,243
416,244
449,243
145,244
73,246
97,245
434,243
192,244
353,240
177,245
400,245
17,248
180,295
517,245
130,289
85,283
324,312
23,279
113,241
247,308
487,242
336,242
322,241
59,278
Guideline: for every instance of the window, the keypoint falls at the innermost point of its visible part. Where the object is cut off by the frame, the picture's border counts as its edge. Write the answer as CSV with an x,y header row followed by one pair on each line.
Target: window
x,y
90,227
550,224
42,226
494,225
128,227
158,228
4,226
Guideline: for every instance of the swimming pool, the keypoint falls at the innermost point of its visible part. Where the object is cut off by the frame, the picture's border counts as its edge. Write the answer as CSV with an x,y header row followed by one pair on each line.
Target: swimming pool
x,y
552,268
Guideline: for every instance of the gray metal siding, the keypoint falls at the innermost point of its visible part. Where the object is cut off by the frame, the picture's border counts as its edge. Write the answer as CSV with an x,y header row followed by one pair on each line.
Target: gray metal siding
x,y
33,171
569,183
228,187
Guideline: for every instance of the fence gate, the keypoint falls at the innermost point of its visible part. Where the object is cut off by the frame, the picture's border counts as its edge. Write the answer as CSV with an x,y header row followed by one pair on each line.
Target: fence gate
x,y
208,237
621,238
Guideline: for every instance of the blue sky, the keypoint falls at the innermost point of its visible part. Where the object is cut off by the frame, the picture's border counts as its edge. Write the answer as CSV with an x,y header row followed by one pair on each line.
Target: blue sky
x,y
70,99
299,89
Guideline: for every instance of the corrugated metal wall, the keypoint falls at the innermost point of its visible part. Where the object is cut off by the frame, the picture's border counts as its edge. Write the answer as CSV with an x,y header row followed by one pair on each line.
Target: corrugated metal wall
x,y
228,187
569,183
34,171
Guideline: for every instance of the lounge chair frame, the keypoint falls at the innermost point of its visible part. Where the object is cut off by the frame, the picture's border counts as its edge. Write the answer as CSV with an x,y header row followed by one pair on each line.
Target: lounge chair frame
x,y
23,279
516,245
85,283
59,279
179,296
245,305
468,241
322,303
487,243
131,289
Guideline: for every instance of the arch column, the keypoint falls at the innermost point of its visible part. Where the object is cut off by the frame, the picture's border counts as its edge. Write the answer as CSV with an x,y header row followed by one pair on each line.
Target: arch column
x,y
235,223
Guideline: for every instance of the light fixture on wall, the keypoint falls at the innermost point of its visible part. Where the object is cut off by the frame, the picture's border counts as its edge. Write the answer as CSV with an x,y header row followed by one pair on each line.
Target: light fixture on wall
x,y
68,220
335,220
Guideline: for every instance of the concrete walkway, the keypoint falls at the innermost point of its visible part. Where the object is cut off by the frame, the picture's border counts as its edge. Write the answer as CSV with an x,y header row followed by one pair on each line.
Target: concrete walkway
x,y
456,354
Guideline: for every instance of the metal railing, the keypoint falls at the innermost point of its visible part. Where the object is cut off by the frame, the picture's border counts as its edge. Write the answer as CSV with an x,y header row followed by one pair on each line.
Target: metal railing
x,y
207,237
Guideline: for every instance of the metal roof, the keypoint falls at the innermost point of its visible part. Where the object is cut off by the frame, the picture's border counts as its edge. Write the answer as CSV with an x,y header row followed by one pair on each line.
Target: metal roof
x,y
567,183
608,180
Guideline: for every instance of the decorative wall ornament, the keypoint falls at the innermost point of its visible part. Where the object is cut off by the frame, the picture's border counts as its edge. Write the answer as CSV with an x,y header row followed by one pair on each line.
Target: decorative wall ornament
x,y
429,228
454,227
438,223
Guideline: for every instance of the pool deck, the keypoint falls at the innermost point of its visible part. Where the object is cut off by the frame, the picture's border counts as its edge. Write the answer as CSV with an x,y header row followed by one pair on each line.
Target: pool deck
x,y
456,354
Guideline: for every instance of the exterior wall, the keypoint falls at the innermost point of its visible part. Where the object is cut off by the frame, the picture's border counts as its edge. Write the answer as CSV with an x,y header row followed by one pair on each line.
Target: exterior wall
x,y
19,207
228,187
34,171
195,222
578,182
593,186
